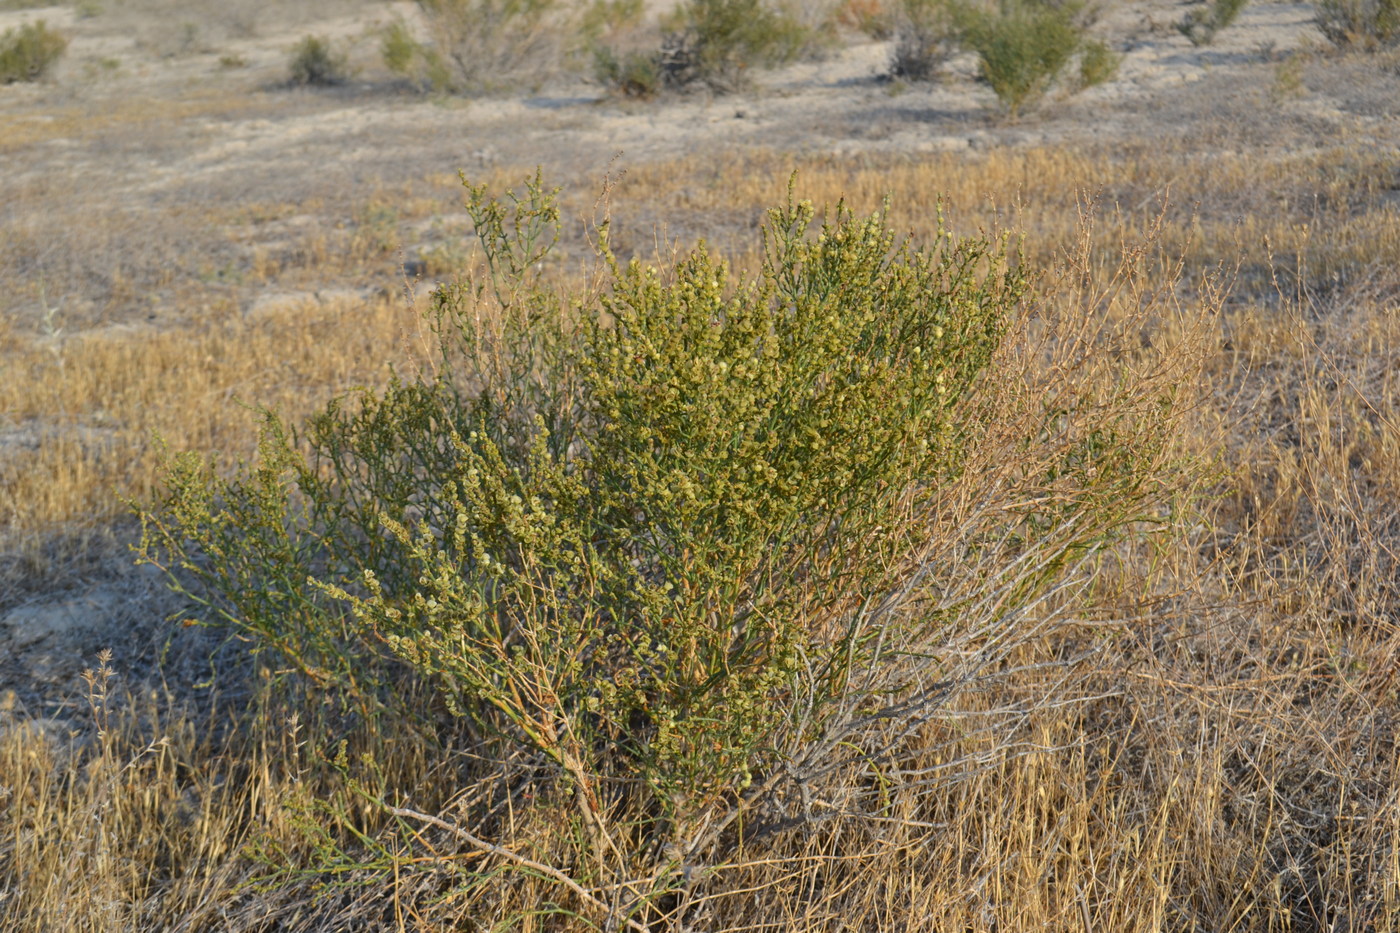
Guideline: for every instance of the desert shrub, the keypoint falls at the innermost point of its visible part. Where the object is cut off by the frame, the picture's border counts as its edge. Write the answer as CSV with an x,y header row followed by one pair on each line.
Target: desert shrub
x,y
398,48
1288,77
27,53
715,43
1097,63
1023,46
680,550
480,46
315,64
423,66
623,50
1365,24
925,36
631,74
1201,24
871,17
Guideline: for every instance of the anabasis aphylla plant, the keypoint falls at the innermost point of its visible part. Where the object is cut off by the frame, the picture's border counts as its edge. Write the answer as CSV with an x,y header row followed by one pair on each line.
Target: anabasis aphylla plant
x,y
676,549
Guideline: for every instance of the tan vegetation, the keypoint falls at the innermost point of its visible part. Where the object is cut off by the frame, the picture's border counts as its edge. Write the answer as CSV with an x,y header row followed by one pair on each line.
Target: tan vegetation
x,y
1195,731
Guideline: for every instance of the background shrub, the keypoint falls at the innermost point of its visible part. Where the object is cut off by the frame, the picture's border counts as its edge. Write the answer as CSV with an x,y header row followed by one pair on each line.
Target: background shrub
x,y
1023,46
27,52
631,74
680,553
1097,63
623,50
925,36
716,43
481,46
1365,24
424,67
873,18
314,63
1201,24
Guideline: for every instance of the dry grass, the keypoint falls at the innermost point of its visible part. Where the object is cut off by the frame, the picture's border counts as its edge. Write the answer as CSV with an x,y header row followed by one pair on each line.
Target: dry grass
x,y
1222,759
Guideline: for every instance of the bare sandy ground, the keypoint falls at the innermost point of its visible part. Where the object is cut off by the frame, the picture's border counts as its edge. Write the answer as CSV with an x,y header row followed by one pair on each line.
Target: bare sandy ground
x,y
840,104
167,130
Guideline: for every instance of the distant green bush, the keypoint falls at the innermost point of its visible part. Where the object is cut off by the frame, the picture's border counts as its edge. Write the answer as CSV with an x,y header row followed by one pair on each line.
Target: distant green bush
x,y
1023,45
1097,63
27,53
314,63
925,36
630,74
1363,24
870,17
405,56
481,46
717,43
1201,24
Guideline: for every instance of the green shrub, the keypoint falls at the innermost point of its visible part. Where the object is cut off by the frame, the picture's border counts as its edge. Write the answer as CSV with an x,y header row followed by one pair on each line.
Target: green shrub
x,y
674,550
716,43
869,17
1202,23
631,74
1097,64
315,64
925,36
707,44
1023,46
622,50
1364,24
398,48
481,46
423,66
27,53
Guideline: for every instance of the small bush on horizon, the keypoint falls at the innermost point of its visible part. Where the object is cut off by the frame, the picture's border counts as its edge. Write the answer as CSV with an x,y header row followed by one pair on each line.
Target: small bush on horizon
x,y
868,17
622,50
29,51
1200,25
1098,64
925,36
406,57
1360,24
1288,77
481,46
630,74
314,63
1023,45
713,45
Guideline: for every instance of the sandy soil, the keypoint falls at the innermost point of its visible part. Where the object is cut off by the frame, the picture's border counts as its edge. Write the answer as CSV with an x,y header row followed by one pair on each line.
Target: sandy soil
x,y
149,119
